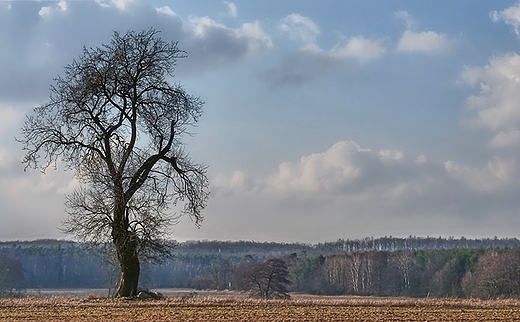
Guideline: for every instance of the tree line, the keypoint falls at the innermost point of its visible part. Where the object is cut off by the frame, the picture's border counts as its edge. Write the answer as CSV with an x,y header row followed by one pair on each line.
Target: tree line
x,y
381,267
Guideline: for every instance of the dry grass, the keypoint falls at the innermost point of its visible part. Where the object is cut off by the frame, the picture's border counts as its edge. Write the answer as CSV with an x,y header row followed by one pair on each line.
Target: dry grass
x,y
301,308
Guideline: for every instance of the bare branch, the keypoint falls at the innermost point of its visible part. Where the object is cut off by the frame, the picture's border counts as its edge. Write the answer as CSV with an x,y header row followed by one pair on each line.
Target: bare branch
x,y
115,119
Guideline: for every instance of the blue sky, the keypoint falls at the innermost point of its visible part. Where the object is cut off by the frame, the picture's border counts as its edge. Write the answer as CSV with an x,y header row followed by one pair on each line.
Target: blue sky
x,y
323,119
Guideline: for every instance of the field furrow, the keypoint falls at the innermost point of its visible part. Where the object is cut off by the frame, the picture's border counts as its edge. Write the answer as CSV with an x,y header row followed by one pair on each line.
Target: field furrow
x,y
207,309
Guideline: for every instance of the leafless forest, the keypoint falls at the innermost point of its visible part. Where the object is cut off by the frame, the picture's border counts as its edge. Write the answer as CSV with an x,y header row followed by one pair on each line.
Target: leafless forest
x,y
386,267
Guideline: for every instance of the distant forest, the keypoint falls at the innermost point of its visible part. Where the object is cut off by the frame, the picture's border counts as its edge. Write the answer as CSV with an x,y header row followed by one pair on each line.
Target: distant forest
x,y
388,266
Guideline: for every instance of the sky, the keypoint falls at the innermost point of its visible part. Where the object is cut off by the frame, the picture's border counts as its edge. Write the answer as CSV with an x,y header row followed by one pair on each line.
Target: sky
x,y
322,119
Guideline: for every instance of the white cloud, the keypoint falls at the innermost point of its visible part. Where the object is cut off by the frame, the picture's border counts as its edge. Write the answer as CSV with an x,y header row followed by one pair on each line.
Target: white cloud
x,y
497,175
497,104
420,41
354,182
355,191
311,60
304,29
505,139
360,48
256,36
201,25
232,9
321,172
166,10
103,3
119,4
238,182
34,60
251,33
44,11
366,182
407,18
48,10
428,41
345,169
391,155
511,17
62,5
301,28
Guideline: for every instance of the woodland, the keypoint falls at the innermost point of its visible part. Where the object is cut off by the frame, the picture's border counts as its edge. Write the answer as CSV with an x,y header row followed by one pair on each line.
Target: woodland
x,y
388,266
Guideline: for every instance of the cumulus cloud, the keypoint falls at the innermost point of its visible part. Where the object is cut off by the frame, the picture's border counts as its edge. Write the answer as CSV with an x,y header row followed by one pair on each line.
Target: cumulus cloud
x,y
202,26
505,139
120,4
348,170
54,33
348,180
48,10
329,172
257,38
391,155
212,44
311,60
497,175
511,16
302,29
249,34
496,105
427,41
360,48
344,169
420,41
237,182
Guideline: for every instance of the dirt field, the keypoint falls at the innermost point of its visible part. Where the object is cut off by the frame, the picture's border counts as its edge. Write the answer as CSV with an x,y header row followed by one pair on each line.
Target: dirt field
x,y
239,309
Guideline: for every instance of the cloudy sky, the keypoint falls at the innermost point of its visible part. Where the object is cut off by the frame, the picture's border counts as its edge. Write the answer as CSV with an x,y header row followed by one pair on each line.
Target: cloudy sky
x,y
323,119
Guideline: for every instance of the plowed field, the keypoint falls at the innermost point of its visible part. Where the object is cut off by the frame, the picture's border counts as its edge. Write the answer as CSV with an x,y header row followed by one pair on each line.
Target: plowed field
x,y
215,309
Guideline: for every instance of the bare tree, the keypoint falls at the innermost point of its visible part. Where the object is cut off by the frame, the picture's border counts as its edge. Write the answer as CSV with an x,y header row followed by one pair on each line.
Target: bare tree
x,y
268,279
404,261
116,120
497,274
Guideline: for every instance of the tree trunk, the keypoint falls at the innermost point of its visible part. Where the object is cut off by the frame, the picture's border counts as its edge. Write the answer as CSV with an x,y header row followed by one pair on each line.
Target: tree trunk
x,y
129,265
126,243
